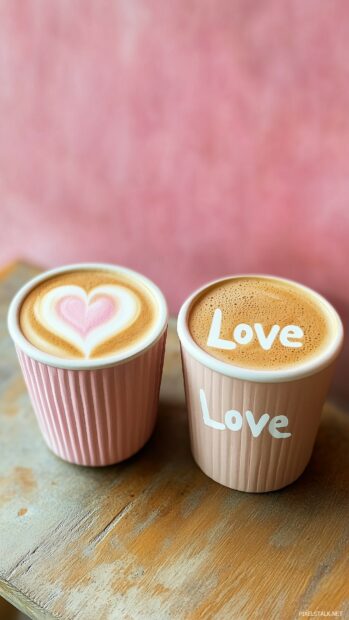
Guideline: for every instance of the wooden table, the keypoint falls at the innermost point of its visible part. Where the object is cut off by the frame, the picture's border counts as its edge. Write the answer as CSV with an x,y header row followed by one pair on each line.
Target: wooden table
x,y
154,537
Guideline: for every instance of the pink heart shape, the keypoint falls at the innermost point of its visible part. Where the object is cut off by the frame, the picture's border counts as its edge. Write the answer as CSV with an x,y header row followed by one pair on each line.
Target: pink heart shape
x,y
84,316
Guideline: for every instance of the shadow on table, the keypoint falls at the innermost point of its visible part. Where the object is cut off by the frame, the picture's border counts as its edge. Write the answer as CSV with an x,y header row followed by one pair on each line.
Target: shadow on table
x,y
8,612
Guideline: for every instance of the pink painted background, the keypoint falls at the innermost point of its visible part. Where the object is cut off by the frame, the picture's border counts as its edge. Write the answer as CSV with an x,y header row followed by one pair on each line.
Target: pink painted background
x,y
187,139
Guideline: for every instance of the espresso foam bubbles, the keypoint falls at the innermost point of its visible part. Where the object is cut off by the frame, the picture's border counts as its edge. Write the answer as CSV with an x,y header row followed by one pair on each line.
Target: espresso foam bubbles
x,y
88,314
259,323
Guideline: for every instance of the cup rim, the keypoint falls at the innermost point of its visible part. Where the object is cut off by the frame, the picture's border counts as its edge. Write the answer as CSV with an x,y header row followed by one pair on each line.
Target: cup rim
x,y
262,376
76,364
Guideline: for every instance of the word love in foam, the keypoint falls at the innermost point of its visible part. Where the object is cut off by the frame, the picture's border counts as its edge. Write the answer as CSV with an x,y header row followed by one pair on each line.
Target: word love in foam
x,y
234,420
289,336
86,320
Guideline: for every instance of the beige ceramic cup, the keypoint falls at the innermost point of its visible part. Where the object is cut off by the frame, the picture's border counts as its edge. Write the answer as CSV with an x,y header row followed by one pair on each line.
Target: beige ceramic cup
x,y
221,397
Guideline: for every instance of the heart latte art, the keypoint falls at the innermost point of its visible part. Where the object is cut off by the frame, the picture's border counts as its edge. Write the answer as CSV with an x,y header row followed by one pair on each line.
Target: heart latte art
x,y
87,314
86,320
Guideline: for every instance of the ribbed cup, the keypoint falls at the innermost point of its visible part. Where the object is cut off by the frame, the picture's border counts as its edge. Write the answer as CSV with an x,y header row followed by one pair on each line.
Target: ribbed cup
x,y
254,429
99,416
237,459
94,411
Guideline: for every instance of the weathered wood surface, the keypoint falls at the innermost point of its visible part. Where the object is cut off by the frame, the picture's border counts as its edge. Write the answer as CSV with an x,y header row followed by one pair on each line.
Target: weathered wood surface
x,y
154,537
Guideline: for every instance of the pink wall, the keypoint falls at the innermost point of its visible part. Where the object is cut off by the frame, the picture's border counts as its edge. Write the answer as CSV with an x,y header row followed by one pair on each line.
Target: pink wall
x,y
186,139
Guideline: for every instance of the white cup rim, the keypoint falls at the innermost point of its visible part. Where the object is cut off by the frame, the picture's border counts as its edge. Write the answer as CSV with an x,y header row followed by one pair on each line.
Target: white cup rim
x,y
299,371
71,364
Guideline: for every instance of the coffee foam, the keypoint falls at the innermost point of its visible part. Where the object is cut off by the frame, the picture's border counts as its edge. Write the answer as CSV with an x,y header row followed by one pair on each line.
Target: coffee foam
x,y
88,314
268,301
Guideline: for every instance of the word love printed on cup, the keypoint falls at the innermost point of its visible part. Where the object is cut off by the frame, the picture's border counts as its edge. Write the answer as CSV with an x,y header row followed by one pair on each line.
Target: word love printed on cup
x,y
243,334
258,354
234,420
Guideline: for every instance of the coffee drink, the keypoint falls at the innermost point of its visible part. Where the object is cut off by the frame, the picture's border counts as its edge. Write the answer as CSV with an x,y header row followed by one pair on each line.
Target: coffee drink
x,y
259,322
88,313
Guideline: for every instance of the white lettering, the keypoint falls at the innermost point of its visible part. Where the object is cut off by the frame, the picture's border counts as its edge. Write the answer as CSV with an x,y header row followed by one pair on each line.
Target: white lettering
x,y
291,331
256,428
206,415
214,340
280,421
243,333
266,342
234,421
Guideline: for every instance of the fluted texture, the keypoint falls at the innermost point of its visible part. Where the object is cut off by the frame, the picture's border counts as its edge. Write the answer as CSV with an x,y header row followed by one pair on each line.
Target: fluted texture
x,y
237,459
96,417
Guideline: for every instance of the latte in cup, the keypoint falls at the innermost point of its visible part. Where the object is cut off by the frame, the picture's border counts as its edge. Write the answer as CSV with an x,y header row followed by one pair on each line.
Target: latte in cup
x,y
88,314
258,355
90,340
260,323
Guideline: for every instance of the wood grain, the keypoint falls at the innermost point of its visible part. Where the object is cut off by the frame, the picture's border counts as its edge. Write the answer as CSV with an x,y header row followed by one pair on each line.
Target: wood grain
x,y
154,537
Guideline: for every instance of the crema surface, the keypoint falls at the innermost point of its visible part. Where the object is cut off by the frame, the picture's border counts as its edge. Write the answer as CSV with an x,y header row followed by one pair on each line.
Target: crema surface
x,y
88,314
267,302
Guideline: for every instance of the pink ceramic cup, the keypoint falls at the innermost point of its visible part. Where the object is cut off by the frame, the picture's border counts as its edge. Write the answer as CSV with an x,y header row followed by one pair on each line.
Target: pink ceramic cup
x,y
220,396
94,412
